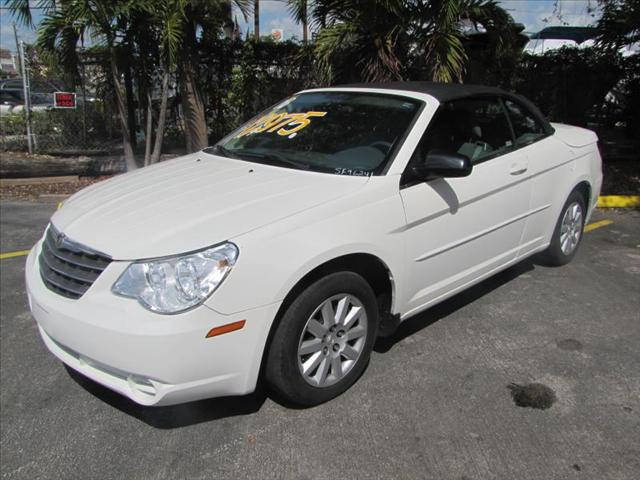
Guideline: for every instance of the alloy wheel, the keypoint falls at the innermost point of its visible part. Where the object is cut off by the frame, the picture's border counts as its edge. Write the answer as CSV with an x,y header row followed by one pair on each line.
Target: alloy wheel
x,y
571,228
332,340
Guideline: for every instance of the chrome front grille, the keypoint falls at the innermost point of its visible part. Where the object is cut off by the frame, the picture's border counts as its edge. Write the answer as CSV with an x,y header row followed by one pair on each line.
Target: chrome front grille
x,y
69,268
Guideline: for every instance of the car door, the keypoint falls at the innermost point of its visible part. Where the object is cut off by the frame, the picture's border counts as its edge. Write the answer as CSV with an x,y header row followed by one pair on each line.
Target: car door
x,y
461,229
550,164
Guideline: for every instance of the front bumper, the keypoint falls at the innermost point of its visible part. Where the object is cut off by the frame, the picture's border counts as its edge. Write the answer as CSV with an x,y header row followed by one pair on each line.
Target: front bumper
x,y
152,359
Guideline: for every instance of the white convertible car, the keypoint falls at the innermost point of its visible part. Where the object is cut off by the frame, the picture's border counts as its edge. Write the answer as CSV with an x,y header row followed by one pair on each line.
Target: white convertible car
x,y
281,253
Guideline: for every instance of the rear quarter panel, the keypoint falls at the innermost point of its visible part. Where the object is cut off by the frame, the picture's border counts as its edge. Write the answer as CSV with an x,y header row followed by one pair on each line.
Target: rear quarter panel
x,y
557,165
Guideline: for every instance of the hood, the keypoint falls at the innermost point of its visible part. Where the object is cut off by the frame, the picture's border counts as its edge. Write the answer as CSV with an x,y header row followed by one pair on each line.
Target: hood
x,y
190,203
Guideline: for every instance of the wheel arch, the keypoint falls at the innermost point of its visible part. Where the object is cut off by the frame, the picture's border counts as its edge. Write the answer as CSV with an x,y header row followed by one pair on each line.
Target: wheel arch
x,y
371,267
584,188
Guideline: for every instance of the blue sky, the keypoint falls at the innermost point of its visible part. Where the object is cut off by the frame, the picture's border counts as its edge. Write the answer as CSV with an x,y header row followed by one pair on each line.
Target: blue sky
x,y
274,14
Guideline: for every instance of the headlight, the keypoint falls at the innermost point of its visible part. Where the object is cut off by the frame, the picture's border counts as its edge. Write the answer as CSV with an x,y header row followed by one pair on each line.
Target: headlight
x,y
175,284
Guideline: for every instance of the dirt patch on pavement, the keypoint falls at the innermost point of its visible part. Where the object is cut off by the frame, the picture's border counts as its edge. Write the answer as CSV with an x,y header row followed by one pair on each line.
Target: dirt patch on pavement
x,y
570,344
532,395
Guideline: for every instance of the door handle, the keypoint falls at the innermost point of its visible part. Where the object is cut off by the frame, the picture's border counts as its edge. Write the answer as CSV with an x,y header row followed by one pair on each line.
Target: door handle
x,y
517,169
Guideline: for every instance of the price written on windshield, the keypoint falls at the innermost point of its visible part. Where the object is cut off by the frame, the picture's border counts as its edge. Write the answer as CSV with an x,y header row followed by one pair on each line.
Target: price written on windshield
x,y
284,124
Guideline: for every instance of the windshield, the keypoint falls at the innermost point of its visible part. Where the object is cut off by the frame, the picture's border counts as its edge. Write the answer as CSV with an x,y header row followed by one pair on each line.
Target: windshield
x,y
345,133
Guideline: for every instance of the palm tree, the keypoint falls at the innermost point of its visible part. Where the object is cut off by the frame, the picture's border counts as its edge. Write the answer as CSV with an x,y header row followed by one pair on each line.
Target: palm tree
x,y
383,38
111,21
105,21
167,16
201,19
21,9
256,20
361,39
299,10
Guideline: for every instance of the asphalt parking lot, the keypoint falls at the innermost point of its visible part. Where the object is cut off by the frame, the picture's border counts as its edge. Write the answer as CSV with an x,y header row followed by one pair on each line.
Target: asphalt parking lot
x,y
439,400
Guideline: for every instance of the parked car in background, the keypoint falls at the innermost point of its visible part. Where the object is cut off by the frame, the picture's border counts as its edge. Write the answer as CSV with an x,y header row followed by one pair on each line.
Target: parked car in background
x,y
42,96
289,246
554,38
12,101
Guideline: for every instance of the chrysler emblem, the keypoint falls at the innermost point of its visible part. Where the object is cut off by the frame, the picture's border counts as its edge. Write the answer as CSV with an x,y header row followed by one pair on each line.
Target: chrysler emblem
x,y
59,240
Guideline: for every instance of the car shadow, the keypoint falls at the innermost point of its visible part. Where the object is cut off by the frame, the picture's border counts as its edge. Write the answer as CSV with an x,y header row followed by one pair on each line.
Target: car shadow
x,y
174,416
192,413
443,309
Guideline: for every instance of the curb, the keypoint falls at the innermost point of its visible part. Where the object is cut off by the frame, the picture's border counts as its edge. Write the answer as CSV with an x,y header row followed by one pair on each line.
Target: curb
x,y
619,201
7,182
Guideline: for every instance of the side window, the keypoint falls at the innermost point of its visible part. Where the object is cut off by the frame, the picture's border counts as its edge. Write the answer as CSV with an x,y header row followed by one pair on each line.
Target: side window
x,y
8,97
527,128
475,127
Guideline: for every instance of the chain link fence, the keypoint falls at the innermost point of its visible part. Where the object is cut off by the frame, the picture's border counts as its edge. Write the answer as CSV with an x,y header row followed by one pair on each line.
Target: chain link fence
x,y
38,109
85,130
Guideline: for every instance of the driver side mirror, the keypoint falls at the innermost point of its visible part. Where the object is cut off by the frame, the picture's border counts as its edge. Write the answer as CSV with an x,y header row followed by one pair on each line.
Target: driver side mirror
x,y
444,164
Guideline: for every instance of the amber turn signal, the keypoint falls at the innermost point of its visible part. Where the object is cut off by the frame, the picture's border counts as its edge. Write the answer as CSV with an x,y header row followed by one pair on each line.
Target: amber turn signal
x,y
229,327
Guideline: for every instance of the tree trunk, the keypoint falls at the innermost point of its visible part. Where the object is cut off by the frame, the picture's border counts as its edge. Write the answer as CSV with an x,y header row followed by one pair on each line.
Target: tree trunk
x,y
131,107
256,20
148,130
195,125
122,114
305,24
155,157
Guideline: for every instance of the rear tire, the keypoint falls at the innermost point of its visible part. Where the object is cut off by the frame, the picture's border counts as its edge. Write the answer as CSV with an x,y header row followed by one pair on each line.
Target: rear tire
x,y
568,232
324,340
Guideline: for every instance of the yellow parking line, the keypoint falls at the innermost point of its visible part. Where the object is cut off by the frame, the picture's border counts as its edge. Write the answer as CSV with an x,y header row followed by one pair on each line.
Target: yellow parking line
x,y
594,225
19,253
619,201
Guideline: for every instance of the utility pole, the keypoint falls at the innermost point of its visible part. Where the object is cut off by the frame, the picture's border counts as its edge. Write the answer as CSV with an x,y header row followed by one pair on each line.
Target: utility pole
x,y
27,97
83,79
15,34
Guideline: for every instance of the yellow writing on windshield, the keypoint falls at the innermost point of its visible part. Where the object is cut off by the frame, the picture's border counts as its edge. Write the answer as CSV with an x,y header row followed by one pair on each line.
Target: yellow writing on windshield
x,y
283,123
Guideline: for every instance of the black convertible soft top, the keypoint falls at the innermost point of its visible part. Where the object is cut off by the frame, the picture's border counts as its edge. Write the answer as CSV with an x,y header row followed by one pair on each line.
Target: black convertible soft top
x,y
441,91
444,92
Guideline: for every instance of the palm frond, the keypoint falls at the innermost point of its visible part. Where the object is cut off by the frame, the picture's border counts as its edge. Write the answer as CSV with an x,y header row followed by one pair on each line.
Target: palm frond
x,y
298,9
443,47
21,9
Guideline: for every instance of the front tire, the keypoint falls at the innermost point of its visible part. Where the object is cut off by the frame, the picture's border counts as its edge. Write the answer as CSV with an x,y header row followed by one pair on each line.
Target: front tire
x,y
324,340
568,232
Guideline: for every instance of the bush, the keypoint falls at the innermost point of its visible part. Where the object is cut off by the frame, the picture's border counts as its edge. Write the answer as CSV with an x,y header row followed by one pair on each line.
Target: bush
x,y
13,124
57,130
568,83
243,78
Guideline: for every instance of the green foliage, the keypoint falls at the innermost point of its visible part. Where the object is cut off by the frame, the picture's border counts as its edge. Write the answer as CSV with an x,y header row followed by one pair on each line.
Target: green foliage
x,y
357,40
243,78
362,39
13,124
619,24
44,66
378,40
567,83
623,103
66,26
443,45
21,9
58,130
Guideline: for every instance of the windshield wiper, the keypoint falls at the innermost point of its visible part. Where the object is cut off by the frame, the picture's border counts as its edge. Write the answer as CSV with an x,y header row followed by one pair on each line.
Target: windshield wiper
x,y
272,159
224,151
